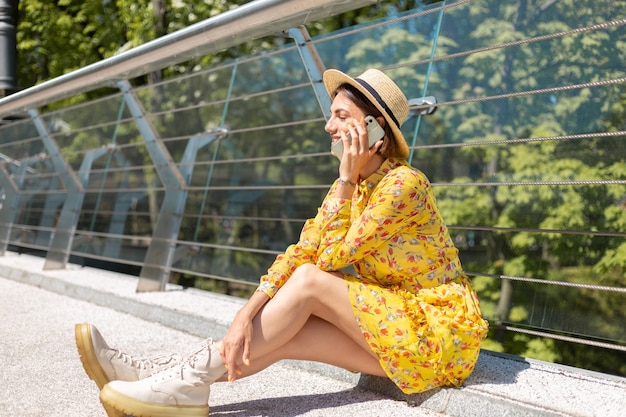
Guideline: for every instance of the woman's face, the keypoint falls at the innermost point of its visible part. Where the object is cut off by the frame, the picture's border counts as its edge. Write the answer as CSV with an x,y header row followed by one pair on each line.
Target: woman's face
x,y
342,111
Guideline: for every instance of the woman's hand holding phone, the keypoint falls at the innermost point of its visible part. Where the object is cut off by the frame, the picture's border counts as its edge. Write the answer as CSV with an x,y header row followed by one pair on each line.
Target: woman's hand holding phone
x,y
374,133
358,140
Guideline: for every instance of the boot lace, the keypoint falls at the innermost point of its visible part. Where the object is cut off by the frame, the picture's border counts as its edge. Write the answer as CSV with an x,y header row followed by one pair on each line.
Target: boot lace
x,y
156,361
204,375
192,358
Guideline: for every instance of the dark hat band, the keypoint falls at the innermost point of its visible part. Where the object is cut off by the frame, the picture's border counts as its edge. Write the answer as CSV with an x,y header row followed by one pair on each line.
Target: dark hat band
x,y
379,99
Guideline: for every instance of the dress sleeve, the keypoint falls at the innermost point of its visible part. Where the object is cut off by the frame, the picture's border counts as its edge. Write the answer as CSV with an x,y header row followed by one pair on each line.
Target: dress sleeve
x,y
305,251
400,199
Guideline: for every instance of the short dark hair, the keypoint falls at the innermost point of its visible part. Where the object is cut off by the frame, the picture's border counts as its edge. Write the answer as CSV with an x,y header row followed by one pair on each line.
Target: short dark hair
x,y
389,148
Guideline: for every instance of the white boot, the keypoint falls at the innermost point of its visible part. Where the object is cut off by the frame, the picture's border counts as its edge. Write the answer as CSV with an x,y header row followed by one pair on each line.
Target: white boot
x,y
179,391
104,364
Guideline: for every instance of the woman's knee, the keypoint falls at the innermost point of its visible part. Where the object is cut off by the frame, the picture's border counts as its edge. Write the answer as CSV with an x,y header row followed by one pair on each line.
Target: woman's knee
x,y
310,277
306,270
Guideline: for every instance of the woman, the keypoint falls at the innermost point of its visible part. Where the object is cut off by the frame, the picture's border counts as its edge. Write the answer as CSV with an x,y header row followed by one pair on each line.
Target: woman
x,y
409,314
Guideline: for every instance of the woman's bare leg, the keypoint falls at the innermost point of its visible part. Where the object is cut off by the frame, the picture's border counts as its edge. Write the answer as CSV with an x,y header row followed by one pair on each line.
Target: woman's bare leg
x,y
284,321
319,341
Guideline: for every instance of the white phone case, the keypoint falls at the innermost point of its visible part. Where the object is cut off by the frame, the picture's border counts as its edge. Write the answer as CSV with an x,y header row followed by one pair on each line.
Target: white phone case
x,y
374,133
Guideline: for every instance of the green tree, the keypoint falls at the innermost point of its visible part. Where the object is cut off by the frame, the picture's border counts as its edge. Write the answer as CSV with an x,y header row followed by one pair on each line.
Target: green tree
x,y
573,209
54,38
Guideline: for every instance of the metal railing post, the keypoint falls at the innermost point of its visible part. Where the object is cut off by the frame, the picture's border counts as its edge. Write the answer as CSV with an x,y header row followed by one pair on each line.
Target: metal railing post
x,y
10,203
155,272
123,202
314,66
61,244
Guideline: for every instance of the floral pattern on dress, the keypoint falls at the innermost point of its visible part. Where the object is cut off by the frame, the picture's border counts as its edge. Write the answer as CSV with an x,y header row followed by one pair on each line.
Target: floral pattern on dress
x,y
413,303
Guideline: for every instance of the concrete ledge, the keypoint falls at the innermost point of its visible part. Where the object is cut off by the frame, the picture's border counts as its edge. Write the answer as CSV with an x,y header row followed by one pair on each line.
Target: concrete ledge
x,y
501,385
507,385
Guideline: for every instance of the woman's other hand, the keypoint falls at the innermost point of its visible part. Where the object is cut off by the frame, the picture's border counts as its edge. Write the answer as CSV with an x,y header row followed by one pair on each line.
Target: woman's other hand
x,y
236,345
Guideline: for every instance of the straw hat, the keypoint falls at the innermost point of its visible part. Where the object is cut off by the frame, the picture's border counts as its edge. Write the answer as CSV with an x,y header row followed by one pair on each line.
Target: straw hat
x,y
382,92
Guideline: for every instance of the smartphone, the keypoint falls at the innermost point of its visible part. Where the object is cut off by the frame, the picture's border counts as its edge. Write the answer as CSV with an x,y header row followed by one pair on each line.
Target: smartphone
x,y
374,133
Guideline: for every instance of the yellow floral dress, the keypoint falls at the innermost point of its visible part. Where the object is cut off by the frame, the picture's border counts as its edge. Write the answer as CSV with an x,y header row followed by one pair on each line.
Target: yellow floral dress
x,y
412,301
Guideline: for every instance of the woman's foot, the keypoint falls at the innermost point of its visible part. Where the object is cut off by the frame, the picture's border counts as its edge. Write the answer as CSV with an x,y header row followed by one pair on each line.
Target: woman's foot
x,y
104,364
180,390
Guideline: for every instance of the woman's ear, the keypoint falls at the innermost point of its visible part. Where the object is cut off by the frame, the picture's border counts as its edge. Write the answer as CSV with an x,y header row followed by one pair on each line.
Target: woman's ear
x,y
381,121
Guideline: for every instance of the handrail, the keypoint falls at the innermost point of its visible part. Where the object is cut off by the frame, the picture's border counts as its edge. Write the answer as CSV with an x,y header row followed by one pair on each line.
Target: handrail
x,y
253,20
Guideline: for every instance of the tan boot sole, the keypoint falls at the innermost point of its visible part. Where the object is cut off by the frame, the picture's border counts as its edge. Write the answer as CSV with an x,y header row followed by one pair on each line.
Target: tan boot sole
x,y
82,333
112,412
121,405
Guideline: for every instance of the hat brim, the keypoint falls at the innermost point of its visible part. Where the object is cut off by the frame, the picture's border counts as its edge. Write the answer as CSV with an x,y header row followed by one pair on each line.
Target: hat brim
x,y
334,78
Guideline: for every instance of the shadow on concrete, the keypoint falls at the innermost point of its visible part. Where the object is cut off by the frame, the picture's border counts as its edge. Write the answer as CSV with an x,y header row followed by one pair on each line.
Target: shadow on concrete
x,y
492,368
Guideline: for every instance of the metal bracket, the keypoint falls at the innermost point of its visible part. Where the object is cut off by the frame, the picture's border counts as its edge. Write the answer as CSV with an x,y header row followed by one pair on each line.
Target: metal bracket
x,y
422,106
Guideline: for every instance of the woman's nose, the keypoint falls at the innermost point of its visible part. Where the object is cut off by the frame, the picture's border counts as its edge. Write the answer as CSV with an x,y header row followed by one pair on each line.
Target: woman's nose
x,y
330,126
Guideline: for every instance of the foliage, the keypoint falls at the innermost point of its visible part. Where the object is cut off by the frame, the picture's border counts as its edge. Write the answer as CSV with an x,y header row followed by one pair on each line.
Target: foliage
x,y
519,250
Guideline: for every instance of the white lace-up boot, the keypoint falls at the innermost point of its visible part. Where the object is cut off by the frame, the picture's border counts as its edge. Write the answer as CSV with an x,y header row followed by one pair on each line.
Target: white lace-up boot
x,y
104,364
181,390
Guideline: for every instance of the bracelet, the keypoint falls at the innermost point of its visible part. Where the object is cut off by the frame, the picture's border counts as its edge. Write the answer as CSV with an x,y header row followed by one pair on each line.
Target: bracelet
x,y
346,182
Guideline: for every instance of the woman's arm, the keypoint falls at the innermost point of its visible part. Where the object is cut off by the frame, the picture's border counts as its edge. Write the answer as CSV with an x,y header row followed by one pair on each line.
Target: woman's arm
x,y
400,199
